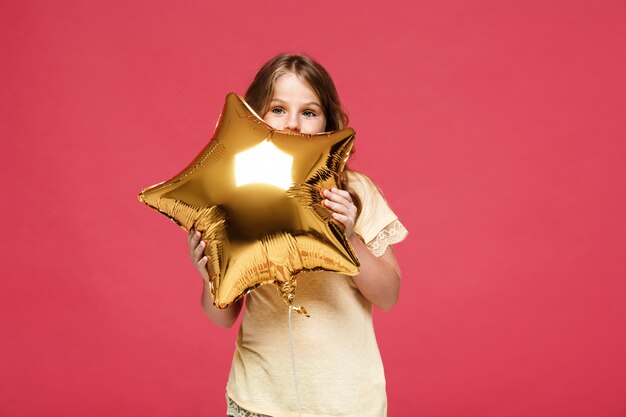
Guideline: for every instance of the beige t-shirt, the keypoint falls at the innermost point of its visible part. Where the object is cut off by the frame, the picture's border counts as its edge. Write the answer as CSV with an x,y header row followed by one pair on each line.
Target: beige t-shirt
x,y
338,365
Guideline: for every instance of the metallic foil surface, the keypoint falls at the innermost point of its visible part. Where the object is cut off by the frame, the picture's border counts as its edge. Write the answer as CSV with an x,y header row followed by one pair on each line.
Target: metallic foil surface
x,y
255,195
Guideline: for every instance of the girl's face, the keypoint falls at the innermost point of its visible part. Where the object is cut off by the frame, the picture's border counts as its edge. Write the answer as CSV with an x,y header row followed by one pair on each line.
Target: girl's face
x,y
295,107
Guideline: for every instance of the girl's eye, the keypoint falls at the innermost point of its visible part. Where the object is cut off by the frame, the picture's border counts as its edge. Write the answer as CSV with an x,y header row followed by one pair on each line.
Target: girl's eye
x,y
278,110
308,113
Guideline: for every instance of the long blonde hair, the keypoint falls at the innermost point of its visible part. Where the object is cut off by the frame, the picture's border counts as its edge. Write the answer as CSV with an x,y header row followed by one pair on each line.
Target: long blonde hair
x,y
261,90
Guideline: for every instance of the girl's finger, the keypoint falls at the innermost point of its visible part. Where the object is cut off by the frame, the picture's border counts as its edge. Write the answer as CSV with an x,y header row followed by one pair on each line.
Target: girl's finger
x,y
341,217
342,193
197,253
201,265
195,238
189,235
340,203
348,224
338,198
336,207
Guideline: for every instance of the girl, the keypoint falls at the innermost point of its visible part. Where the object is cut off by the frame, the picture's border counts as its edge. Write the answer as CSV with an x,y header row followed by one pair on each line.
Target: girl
x,y
339,369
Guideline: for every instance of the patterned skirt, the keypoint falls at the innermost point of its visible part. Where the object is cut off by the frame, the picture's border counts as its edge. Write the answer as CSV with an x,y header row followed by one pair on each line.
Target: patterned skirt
x,y
234,410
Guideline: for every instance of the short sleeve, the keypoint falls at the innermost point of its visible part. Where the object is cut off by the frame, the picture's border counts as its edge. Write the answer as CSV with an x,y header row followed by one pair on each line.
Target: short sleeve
x,y
377,224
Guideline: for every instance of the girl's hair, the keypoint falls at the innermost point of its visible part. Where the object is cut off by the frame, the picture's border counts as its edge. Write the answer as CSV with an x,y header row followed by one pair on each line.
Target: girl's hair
x,y
260,92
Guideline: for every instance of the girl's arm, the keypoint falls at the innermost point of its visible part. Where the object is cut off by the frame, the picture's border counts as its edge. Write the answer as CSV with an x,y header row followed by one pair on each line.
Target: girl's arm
x,y
222,317
379,278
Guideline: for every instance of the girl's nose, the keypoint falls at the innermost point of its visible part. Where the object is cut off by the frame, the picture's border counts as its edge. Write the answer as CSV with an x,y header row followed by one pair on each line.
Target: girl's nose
x,y
292,123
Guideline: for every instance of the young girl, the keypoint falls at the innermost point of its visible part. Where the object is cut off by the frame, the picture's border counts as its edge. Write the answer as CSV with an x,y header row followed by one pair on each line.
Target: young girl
x,y
339,369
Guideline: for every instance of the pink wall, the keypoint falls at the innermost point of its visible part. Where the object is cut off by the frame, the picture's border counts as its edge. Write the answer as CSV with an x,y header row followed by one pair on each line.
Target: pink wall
x,y
496,130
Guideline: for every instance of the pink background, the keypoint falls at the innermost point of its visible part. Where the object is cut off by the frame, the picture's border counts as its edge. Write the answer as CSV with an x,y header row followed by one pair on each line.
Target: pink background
x,y
496,130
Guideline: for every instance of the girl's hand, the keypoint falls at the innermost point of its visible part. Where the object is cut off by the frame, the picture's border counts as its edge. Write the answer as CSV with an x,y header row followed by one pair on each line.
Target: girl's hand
x,y
222,317
344,210
196,251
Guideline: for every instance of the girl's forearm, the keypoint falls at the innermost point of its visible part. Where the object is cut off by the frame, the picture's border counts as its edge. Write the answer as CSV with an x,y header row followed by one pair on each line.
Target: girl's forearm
x,y
379,279
222,317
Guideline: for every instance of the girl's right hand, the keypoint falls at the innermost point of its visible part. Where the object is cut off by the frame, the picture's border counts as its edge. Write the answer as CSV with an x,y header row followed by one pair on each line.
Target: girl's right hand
x,y
222,317
196,251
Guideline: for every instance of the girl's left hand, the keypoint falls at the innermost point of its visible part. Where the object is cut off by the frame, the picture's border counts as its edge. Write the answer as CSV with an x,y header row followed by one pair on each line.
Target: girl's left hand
x,y
344,210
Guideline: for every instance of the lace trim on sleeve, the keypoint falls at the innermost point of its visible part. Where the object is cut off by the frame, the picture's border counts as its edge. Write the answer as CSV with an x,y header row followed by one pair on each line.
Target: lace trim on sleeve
x,y
394,232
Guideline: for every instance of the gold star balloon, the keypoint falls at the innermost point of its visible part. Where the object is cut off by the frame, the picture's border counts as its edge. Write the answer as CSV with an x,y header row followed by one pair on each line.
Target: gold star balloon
x,y
255,194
